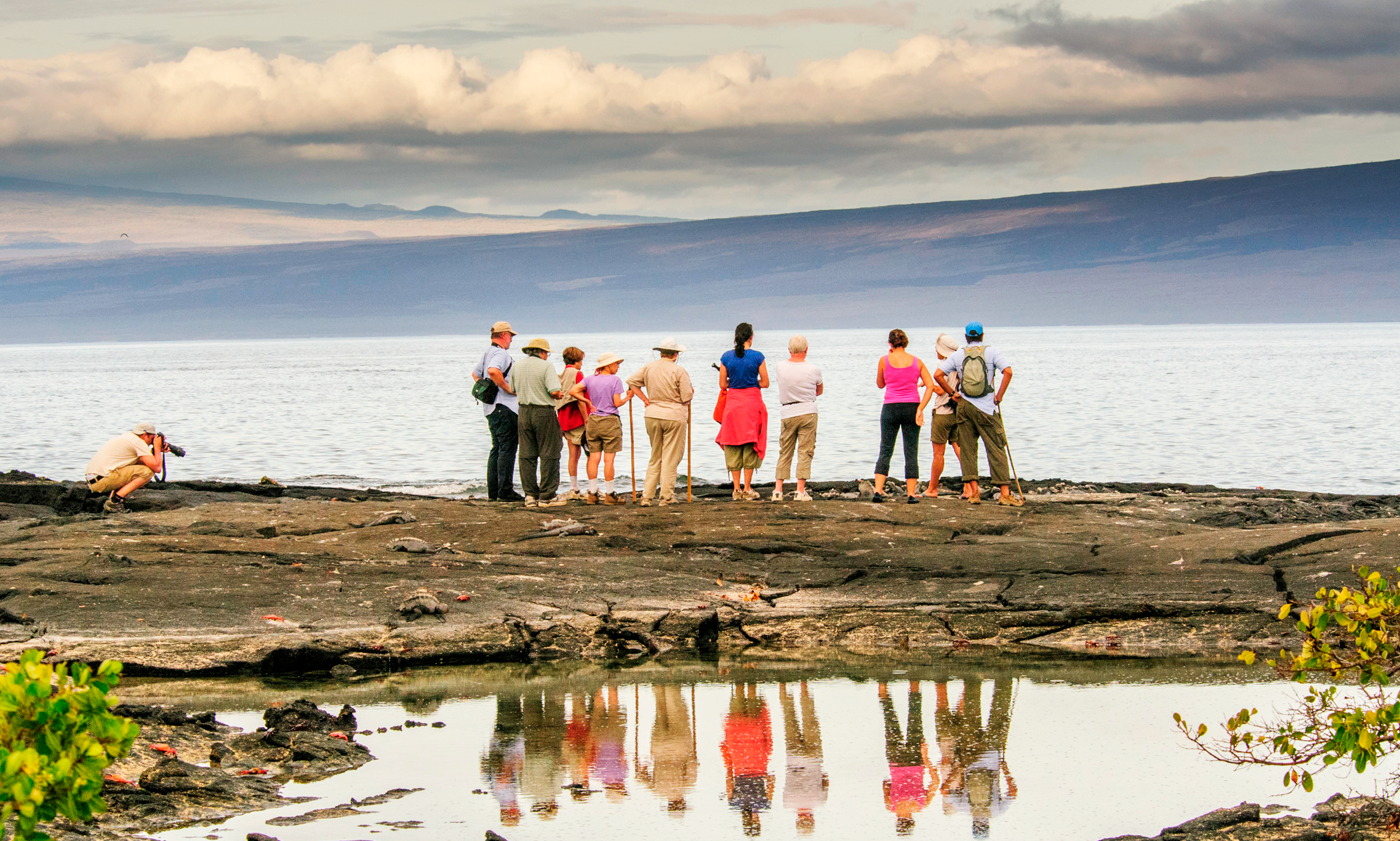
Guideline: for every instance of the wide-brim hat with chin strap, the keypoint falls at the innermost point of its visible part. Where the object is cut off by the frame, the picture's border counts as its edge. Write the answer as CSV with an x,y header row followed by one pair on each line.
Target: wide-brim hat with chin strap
x,y
538,344
606,359
670,345
947,345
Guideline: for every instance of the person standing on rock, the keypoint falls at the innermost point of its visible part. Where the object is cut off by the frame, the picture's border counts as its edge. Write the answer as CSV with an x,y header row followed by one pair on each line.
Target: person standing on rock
x,y
900,374
665,390
572,416
126,463
944,422
799,386
978,411
743,430
536,383
602,395
500,407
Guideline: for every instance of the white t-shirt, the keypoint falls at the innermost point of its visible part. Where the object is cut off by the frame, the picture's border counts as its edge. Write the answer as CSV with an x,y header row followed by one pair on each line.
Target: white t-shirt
x,y
121,451
797,387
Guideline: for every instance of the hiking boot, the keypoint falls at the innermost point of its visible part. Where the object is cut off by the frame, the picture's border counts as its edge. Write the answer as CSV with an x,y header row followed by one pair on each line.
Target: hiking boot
x,y
590,499
530,502
666,500
975,500
645,503
114,505
612,499
553,502
1014,502
801,496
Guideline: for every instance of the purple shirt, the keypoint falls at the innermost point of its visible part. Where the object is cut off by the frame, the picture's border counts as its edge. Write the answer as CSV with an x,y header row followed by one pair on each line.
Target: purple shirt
x,y
600,389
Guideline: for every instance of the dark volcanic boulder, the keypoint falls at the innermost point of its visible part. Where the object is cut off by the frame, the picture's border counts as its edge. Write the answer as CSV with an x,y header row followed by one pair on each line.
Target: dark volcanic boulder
x,y
171,775
301,714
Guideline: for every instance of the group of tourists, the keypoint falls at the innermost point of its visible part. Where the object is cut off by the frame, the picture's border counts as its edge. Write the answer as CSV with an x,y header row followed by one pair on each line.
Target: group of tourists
x,y
533,411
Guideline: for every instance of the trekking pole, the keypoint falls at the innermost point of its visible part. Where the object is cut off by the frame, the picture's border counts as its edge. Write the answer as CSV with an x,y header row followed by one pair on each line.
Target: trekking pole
x,y
689,485
1009,459
632,439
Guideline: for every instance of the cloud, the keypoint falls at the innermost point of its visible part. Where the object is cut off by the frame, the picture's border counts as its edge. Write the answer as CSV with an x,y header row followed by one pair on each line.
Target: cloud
x,y
1218,36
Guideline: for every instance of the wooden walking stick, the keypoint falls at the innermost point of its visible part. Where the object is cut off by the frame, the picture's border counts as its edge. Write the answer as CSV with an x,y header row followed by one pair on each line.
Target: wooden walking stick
x,y
632,438
1009,459
689,484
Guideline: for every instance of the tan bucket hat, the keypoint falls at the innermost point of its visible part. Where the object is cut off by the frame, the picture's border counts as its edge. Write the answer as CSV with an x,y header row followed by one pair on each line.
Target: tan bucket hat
x,y
947,345
538,344
607,359
670,344
502,327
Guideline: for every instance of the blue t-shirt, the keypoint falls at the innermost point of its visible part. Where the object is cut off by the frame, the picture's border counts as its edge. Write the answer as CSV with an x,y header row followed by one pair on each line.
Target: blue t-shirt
x,y
743,370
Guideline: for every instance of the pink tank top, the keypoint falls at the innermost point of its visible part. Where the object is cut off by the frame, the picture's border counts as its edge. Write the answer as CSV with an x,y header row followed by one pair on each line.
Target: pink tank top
x,y
901,384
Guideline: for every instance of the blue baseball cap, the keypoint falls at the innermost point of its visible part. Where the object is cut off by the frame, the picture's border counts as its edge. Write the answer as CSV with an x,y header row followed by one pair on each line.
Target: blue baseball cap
x,y
973,328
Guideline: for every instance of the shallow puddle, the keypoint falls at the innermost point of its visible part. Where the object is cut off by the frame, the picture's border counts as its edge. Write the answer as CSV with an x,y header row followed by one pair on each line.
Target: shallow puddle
x,y
1035,749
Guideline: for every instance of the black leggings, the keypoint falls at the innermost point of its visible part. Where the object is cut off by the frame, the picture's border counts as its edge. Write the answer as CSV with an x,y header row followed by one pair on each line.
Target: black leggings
x,y
896,418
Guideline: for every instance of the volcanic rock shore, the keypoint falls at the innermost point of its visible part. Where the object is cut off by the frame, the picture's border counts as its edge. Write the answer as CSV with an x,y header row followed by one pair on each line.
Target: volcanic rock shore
x,y
224,578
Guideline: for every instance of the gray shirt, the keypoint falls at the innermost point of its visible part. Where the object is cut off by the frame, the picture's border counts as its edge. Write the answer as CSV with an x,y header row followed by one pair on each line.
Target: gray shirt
x,y
499,358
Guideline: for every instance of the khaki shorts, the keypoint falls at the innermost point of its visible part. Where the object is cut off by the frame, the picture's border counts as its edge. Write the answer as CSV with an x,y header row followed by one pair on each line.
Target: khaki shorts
x,y
604,433
574,436
942,426
741,457
117,478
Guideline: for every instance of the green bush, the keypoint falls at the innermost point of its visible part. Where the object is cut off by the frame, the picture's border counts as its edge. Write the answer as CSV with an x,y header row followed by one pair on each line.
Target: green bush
x,y
57,735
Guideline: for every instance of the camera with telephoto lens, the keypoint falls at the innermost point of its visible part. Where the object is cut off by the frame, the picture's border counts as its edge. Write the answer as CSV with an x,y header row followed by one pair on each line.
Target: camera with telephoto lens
x,y
175,449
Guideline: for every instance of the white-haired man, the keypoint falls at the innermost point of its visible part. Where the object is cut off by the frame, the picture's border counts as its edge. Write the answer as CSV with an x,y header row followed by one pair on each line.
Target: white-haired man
x,y
799,385
126,463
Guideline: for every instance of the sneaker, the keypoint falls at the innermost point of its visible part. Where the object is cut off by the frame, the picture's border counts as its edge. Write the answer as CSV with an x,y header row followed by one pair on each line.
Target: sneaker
x,y
574,494
612,499
114,505
645,503
553,502
777,495
801,496
912,499
752,495
877,497
738,494
666,500
530,502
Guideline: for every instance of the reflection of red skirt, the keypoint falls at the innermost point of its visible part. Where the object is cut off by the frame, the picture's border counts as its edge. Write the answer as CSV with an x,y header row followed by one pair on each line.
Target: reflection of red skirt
x,y
745,420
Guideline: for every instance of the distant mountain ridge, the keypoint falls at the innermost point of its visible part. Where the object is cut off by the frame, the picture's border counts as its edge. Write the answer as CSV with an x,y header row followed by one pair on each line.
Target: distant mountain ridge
x,y
1302,246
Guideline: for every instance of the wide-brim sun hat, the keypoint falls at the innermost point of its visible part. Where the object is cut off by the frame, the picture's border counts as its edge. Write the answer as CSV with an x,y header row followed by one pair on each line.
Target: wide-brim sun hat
x,y
607,359
538,344
670,344
502,327
947,345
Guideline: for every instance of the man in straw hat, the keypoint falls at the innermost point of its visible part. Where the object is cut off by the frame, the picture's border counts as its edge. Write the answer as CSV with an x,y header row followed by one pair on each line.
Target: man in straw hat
x,y
978,412
536,383
602,394
944,423
500,412
665,390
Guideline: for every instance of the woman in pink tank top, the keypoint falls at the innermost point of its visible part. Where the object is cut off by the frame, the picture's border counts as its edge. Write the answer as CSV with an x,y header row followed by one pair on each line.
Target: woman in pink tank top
x,y
900,374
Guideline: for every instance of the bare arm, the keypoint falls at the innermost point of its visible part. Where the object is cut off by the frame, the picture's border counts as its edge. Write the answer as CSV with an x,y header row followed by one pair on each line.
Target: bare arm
x,y
499,379
619,399
637,392
820,386
946,388
723,377
1005,381
763,374
579,393
927,380
880,372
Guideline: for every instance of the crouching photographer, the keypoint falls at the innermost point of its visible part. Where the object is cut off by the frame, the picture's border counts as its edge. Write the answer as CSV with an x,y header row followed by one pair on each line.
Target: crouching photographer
x,y
127,463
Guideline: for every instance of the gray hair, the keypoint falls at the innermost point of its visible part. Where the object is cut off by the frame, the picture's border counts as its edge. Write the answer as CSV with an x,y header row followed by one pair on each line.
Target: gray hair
x,y
797,344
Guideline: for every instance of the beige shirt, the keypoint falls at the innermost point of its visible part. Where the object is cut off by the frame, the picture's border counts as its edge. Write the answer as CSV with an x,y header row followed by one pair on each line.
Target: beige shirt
x,y
667,386
121,451
532,379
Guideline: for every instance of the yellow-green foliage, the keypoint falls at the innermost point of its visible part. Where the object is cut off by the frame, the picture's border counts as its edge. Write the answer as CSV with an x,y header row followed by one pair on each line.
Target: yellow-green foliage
x,y
57,735
1350,635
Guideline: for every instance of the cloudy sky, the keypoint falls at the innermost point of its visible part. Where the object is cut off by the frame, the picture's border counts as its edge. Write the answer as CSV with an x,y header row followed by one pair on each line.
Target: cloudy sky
x,y
654,107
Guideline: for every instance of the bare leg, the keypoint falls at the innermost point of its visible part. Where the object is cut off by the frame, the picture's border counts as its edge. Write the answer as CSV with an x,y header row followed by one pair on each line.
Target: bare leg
x,y
938,453
911,487
574,452
879,483
801,486
970,490
608,459
748,479
738,485
593,459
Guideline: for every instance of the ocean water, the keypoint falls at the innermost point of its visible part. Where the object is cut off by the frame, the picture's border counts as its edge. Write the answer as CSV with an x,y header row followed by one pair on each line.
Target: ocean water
x,y
1309,407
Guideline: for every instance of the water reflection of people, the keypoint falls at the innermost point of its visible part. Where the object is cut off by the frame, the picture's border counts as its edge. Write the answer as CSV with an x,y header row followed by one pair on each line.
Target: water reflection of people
x,y
501,764
542,772
748,743
804,784
608,729
975,755
578,745
913,779
672,770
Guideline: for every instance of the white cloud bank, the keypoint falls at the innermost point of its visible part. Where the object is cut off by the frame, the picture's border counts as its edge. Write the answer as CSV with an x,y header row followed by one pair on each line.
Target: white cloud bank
x,y
928,81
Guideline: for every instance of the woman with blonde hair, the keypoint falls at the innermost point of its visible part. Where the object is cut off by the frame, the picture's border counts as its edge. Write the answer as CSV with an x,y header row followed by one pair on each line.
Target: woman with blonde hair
x,y
900,374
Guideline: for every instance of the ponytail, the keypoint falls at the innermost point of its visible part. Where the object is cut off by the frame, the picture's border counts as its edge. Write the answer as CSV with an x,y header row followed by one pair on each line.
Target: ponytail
x,y
742,334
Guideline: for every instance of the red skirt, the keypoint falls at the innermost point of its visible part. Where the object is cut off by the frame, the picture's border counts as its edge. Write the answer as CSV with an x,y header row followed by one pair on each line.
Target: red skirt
x,y
745,420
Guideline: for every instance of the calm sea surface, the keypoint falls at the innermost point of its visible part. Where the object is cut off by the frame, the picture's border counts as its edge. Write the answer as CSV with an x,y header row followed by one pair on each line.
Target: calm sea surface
x,y
1310,407
1046,753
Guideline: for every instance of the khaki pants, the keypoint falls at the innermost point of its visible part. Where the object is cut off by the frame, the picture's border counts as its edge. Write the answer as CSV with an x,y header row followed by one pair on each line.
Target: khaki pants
x,y
667,446
800,434
972,426
118,478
